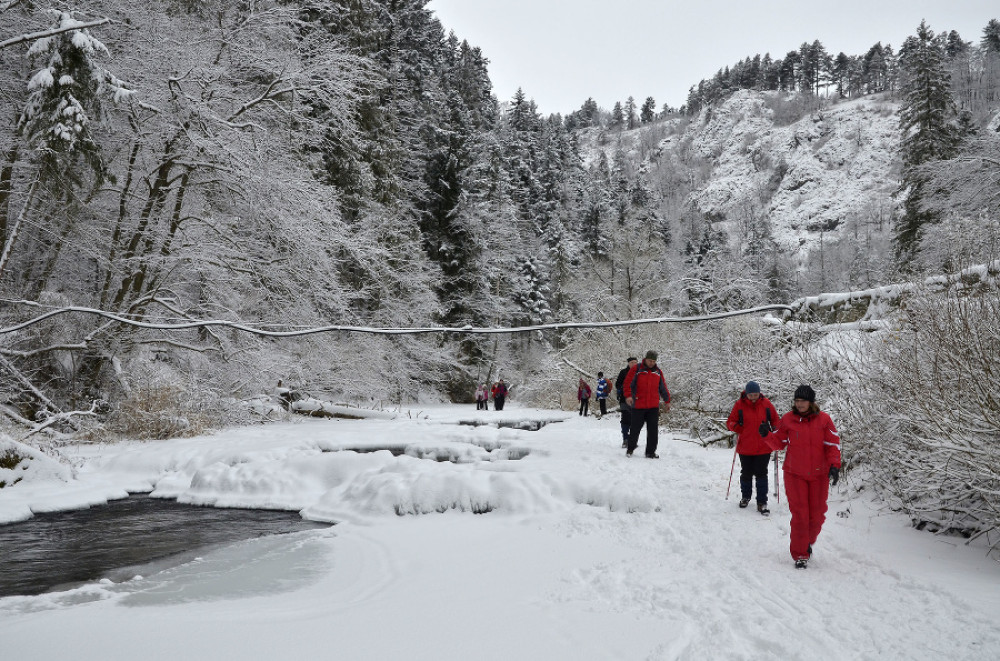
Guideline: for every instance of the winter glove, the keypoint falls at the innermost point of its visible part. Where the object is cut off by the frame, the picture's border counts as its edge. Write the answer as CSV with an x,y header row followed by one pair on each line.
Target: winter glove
x,y
739,418
834,475
764,429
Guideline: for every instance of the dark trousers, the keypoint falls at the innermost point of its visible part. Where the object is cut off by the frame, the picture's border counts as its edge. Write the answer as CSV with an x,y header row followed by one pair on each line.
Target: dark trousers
x,y
483,404
604,405
584,406
651,419
498,402
754,466
626,418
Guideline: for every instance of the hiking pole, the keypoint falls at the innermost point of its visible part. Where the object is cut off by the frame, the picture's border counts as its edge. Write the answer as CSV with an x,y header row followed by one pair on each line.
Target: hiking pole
x,y
731,469
777,498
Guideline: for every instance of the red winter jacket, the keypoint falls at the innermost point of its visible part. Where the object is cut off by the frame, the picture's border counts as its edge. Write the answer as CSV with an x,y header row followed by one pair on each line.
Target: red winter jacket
x,y
583,392
646,385
812,441
754,413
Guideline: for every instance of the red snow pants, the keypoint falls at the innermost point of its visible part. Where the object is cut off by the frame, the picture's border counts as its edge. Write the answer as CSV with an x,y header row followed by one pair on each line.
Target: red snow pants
x,y
807,503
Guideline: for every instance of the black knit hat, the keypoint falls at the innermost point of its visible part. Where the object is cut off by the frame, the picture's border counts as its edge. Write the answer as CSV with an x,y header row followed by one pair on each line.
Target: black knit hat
x,y
806,393
652,355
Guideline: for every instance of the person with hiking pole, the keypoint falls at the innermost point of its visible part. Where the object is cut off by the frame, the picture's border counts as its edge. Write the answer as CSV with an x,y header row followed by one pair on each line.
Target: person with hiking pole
x,y
747,419
812,463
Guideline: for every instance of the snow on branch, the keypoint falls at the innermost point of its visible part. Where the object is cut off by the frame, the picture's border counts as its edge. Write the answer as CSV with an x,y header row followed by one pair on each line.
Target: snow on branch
x,y
378,331
35,36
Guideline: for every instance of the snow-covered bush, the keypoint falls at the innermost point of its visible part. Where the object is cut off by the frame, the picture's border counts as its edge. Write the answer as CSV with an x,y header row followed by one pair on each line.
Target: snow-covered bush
x,y
162,411
929,414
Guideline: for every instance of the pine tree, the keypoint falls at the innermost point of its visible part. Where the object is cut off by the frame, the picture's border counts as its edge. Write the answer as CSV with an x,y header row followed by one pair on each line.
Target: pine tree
x,y
56,123
617,117
841,74
648,112
926,119
631,119
991,36
788,72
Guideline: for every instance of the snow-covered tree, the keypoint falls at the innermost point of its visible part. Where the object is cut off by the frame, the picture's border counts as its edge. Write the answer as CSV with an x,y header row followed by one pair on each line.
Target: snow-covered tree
x,y
54,131
926,119
648,111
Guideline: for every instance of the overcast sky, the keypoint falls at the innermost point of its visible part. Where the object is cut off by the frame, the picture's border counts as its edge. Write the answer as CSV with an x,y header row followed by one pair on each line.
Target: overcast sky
x,y
563,51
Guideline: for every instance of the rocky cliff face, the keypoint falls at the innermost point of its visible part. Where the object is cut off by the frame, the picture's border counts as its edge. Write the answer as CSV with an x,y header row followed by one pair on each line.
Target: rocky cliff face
x,y
814,170
809,177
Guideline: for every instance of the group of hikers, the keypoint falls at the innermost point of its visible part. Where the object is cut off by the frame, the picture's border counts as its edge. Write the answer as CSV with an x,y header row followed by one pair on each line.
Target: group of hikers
x,y
806,434
498,392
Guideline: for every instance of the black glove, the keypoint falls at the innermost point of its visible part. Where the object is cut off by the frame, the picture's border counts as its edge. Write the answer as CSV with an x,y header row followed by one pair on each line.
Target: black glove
x,y
764,429
739,418
834,475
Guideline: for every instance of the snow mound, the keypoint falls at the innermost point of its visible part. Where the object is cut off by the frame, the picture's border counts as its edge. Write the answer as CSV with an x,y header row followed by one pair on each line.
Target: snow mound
x,y
21,464
22,467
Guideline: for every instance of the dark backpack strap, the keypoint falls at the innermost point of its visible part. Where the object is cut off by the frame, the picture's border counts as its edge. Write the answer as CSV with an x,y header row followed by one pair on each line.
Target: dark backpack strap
x,y
767,413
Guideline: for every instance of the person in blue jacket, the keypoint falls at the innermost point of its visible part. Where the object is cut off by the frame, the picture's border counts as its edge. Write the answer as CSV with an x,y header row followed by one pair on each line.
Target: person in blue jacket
x,y
603,389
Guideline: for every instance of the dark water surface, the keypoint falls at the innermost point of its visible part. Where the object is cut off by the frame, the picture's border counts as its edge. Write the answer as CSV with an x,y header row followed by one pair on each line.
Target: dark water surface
x,y
63,549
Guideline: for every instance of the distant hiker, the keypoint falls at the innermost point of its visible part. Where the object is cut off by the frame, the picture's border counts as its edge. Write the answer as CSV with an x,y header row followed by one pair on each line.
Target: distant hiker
x,y
622,404
644,386
812,462
482,398
583,394
499,394
603,388
747,419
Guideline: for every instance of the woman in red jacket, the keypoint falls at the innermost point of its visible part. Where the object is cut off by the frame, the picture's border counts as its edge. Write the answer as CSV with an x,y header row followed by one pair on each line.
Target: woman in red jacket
x,y
812,461
748,417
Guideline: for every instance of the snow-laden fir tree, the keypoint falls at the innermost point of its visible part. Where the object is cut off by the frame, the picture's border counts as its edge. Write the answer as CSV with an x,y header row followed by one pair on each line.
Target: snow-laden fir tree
x,y
927,121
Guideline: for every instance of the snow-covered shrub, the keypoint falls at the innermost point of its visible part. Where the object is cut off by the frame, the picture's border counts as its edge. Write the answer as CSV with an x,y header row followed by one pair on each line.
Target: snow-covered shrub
x,y
161,411
930,414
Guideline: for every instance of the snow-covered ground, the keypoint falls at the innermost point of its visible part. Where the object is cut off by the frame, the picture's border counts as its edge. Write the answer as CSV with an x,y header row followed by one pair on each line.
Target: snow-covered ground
x,y
576,553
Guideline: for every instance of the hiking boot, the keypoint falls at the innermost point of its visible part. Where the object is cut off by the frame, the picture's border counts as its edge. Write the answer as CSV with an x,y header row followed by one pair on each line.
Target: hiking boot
x,y
628,453
744,502
762,508
624,444
652,456
801,563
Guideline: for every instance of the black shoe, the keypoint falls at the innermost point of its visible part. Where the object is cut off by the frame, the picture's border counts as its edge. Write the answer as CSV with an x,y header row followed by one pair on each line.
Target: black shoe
x,y
762,508
801,563
652,456
624,444
628,453
744,502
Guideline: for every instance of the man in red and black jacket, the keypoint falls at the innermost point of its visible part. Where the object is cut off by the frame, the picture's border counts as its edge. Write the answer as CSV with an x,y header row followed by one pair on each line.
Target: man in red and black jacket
x,y
644,386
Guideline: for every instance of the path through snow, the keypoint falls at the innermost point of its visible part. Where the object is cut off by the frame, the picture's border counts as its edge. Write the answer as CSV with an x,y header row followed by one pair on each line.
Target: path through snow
x,y
584,555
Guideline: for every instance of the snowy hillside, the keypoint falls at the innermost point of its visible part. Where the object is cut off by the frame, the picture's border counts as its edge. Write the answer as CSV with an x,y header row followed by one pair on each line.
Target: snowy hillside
x,y
830,165
807,177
